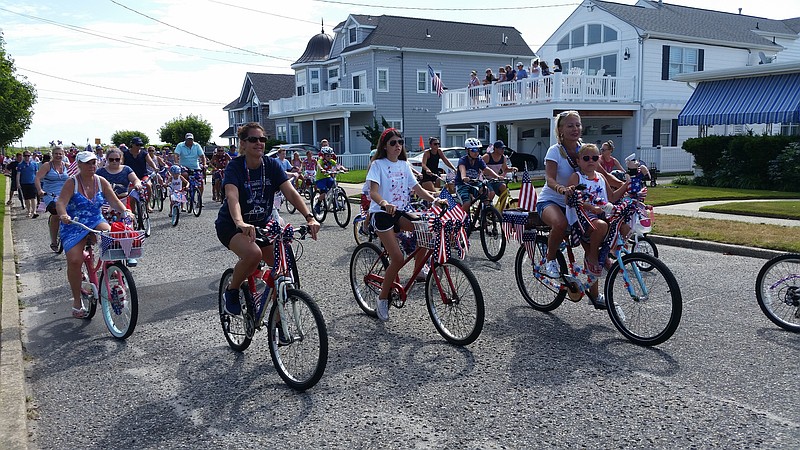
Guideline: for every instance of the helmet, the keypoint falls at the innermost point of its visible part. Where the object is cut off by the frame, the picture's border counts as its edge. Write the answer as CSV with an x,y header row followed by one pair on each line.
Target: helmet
x,y
175,169
326,151
472,143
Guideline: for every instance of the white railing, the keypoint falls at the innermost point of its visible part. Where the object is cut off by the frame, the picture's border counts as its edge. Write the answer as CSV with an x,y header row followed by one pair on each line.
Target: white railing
x,y
354,161
321,100
666,159
555,88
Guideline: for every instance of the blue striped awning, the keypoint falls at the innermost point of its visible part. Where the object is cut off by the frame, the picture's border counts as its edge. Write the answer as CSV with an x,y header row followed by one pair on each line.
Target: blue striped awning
x,y
766,99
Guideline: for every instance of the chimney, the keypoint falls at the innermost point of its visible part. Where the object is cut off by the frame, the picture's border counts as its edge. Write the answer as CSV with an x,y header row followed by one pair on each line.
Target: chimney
x,y
740,11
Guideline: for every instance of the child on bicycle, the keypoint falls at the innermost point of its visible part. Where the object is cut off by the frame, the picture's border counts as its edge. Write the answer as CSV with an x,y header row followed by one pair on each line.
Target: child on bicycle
x,y
391,182
177,185
595,208
324,178
471,167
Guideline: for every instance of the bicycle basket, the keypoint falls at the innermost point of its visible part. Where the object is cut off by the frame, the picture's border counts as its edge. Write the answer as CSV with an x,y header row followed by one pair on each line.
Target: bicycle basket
x,y
424,234
642,223
119,245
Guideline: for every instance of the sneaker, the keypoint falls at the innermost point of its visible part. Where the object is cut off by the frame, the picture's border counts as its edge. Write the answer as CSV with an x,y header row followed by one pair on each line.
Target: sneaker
x,y
382,309
423,274
35,215
232,305
283,340
550,269
132,262
599,302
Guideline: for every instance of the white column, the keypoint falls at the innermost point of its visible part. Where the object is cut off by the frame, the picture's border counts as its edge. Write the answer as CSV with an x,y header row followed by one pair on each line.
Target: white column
x,y
513,136
492,132
443,135
346,133
314,132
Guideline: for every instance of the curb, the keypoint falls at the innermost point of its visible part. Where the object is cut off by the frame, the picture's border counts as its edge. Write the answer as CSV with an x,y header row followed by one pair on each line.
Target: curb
x,y
727,249
13,420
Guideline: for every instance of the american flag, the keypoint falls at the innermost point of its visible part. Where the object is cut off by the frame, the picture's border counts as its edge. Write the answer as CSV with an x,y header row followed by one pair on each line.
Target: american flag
x,y
456,214
437,82
527,193
72,170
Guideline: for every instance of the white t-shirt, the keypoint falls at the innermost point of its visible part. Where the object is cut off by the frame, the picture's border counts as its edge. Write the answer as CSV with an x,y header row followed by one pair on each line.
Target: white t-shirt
x,y
562,175
597,187
395,181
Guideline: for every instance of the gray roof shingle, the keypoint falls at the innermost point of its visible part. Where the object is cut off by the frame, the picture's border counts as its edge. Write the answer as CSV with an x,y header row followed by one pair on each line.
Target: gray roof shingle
x,y
699,23
271,86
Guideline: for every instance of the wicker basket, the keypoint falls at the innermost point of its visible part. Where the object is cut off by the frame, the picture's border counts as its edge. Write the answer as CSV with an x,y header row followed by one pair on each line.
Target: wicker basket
x,y
424,234
119,245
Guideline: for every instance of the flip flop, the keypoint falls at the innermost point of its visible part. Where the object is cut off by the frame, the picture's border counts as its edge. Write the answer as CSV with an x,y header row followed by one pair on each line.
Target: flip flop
x,y
80,313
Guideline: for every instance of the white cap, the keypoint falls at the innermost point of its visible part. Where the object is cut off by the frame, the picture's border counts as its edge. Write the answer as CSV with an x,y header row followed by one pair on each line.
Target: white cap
x,y
189,136
85,156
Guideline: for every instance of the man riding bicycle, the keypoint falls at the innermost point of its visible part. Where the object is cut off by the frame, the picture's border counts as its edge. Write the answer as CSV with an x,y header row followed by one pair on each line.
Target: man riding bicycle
x,y
471,167
189,154
218,162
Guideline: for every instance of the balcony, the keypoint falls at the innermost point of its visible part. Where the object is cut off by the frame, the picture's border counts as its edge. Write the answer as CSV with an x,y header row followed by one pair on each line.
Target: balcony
x,y
338,99
555,88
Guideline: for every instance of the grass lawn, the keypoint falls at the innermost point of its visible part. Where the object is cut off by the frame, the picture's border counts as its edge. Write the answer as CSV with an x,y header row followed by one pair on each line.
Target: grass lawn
x,y
779,209
773,237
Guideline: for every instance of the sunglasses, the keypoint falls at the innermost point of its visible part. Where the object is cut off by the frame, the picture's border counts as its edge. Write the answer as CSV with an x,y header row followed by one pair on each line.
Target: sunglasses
x,y
114,159
26,156
434,143
474,149
254,139
593,157
394,142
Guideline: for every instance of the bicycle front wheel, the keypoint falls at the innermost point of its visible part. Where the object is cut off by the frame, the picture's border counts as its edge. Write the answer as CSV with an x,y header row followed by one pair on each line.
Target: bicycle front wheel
x,y
119,300
367,268
298,341
542,293
493,240
290,208
455,302
341,208
234,328
197,207
176,214
778,291
650,312
159,196
361,232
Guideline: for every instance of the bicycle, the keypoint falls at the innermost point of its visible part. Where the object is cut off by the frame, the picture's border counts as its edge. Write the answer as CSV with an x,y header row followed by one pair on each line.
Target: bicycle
x,y
137,201
644,306
115,287
157,197
195,196
453,297
778,291
59,246
482,213
177,201
336,202
298,336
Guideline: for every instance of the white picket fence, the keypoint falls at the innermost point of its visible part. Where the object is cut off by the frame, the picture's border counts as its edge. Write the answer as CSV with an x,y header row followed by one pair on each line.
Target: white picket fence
x,y
666,159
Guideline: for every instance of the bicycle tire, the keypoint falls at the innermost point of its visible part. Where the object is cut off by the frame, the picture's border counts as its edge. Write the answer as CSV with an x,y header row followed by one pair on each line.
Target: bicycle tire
x,y
160,198
341,208
146,222
88,292
364,262
197,208
59,244
493,240
302,362
361,230
152,199
778,291
176,214
540,294
455,303
119,301
290,208
323,209
647,246
645,320
234,328
190,198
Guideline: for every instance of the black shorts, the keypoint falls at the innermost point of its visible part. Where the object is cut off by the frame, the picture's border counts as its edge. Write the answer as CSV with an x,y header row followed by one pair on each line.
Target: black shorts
x,y
51,208
226,232
426,177
382,221
28,191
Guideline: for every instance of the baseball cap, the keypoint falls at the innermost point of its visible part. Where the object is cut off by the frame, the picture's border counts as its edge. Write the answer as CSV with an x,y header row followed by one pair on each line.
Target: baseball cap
x,y
519,64
499,144
136,140
85,156
189,136
98,147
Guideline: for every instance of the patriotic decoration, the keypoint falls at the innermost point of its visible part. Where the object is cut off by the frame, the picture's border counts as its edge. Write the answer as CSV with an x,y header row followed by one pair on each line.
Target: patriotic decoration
x,y
283,241
437,82
450,226
72,170
527,193
514,224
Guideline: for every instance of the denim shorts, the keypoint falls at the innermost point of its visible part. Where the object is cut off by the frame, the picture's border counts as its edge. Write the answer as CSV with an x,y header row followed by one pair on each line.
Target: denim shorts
x,y
540,206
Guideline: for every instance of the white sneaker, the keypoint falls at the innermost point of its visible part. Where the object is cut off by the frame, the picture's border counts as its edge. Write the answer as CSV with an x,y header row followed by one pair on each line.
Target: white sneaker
x,y
382,309
550,269
423,274
599,302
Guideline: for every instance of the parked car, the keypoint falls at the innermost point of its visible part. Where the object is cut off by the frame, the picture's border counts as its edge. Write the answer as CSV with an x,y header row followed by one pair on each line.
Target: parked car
x,y
291,148
452,154
519,160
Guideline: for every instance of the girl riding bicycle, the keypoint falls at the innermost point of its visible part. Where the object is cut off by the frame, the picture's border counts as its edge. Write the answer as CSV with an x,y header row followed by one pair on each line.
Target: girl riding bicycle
x,y
391,181
177,186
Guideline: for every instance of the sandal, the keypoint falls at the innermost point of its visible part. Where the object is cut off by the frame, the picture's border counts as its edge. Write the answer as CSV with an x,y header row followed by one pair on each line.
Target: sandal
x,y
54,247
80,313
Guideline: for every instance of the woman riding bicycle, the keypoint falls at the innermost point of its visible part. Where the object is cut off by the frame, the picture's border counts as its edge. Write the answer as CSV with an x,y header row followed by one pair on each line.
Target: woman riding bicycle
x,y
392,181
49,180
82,198
496,160
250,183
471,167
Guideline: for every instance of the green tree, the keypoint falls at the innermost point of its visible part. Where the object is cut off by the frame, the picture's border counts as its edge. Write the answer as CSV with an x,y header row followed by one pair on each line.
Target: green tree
x,y
175,130
373,133
17,97
125,136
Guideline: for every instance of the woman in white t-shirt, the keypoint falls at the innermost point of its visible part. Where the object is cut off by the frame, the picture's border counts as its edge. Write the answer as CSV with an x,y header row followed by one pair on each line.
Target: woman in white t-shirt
x,y
391,182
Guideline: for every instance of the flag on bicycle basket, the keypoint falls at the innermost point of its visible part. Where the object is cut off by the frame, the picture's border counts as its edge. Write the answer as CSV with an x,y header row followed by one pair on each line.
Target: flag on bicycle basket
x,y
527,193
436,81
457,222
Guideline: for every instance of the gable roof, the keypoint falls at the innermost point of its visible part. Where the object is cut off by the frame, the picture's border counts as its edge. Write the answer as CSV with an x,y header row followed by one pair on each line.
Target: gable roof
x,y
408,32
673,20
267,86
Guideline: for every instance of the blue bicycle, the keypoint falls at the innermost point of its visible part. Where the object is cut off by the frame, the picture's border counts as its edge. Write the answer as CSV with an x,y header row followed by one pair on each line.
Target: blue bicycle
x,y
195,195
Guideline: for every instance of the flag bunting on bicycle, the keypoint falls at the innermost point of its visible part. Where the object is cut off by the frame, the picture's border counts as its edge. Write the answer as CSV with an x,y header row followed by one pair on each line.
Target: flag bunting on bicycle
x,y
527,193
456,214
437,82
72,170
514,224
529,242
282,263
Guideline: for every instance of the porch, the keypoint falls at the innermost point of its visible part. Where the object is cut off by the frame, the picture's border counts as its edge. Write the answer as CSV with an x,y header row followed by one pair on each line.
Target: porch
x,y
337,99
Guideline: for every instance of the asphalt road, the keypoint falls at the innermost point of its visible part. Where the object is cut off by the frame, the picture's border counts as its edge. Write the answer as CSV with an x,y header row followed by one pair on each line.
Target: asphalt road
x,y
727,378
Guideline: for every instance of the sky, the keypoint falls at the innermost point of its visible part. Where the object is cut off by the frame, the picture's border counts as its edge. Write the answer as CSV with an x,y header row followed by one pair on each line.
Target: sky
x,y
101,66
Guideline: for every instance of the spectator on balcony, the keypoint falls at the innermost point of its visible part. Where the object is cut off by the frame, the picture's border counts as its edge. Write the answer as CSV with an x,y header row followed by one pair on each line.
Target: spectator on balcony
x,y
536,72
545,68
511,74
490,78
473,79
521,72
501,75
557,65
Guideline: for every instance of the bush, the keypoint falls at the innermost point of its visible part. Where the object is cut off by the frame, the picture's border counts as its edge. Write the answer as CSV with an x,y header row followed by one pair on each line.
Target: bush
x,y
682,180
784,170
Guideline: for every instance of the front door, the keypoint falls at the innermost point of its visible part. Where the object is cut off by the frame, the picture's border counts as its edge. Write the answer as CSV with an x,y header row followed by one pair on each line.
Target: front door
x,y
335,139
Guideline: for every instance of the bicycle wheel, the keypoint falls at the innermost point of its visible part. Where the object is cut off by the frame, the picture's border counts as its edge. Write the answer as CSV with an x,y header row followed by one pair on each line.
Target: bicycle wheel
x,y
301,356
88,292
152,199
160,197
197,207
119,300
367,267
233,327
644,245
146,225
493,240
318,208
651,315
361,230
341,208
290,207
190,199
455,302
542,293
176,214
778,291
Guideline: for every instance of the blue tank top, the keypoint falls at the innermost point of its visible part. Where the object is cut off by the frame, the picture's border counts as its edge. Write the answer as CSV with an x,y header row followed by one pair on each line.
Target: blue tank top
x,y
52,183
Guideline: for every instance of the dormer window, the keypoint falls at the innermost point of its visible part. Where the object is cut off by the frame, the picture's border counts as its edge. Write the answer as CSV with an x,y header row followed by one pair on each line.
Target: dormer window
x,y
587,35
352,35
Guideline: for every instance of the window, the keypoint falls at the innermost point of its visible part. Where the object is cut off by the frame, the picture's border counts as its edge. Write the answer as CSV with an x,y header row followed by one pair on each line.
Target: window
x,y
610,64
563,44
383,80
396,124
594,34
577,37
314,80
594,65
352,35
609,34
300,82
665,132
422,81
280,132
675,60
790,129
333,72
294,131
333,78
